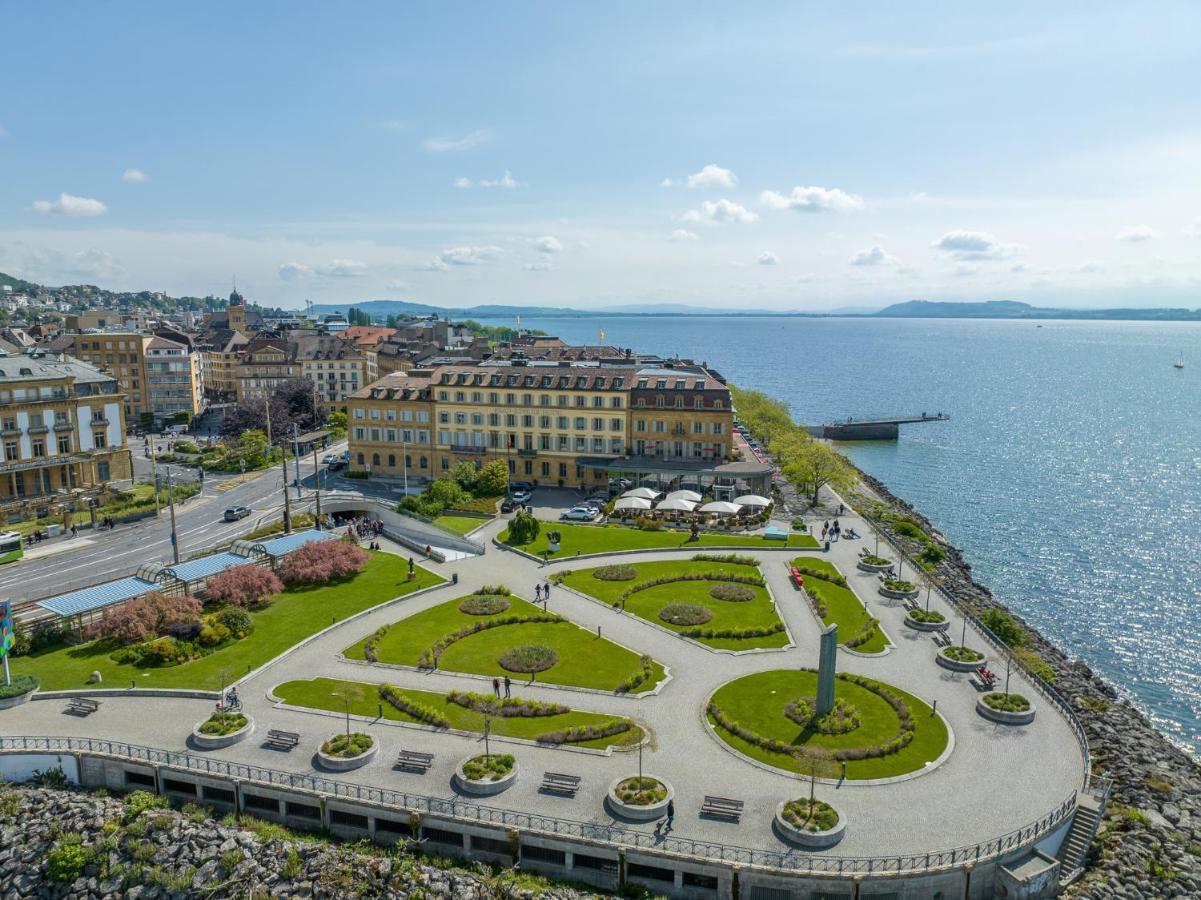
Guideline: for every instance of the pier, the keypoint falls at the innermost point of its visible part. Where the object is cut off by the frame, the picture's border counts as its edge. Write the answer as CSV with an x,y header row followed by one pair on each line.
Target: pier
x,y
886,429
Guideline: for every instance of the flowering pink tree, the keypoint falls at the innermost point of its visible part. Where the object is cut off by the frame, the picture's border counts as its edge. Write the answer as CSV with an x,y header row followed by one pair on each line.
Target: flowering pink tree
x,y
249,585
143,617
323,562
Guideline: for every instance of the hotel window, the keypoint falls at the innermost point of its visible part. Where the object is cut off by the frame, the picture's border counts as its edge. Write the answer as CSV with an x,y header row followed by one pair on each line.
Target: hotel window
x,y
460,418
658,401
698,403
527,399
640,425
679,402
443,395
100,439
717,428
477,418
563,422
615,424
580,423
581,401
698,427
511,420
358,412
493,398
615,402
598,424
477,397
10,450
493,419
391,435
598,402
562,470
546,470
544,400
510,399
660,426
375,434
564,400
527,421
460,397
444,418
64,444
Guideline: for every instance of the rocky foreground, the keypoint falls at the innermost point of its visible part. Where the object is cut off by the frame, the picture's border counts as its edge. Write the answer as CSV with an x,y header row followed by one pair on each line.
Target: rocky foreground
x,y
1149,845
69,844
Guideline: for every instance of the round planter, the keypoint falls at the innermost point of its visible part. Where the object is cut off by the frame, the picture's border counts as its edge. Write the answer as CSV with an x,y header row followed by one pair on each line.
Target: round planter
x,y
1001,717
810,840
927,626
217,741
639,813
868,567
484,788
956,665
10,702
898,595
338,764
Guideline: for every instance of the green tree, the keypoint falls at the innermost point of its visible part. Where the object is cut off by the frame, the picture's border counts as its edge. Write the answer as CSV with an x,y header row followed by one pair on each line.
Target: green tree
x,y
465,474
337,423
252,448
811,465
523,528
816,762
493,479
1002,624
446,492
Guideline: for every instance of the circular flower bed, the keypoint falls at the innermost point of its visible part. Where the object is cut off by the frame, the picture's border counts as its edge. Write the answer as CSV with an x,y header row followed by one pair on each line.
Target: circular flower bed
x,y
959,659
484,605
685,614
343,752
21,689
732,593
615,573
896,589
221,729
870,560
530,658
815,825
921,620
642,799
1006,709
842,719
485,775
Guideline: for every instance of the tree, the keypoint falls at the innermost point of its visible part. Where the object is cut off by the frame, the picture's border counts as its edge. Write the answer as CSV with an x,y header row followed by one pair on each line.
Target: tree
x,y
465,474
493,479
446,492
247,585
811,465
816,762
349,693
321,562
768,419
523,528
337,423
289,404
252,448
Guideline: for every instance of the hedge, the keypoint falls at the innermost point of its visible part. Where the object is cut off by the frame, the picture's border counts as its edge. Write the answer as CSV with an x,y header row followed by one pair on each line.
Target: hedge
x,y
430,655
579,733
418,711
645,672
509,707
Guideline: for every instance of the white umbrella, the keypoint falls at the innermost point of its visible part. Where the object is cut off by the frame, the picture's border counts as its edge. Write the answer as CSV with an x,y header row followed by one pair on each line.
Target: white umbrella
x,y
643,493
752,500
720,507
690,496
632,503
676,504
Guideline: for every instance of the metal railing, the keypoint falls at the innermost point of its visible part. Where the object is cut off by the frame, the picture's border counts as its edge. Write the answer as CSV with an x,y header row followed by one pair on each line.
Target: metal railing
x,y
551,826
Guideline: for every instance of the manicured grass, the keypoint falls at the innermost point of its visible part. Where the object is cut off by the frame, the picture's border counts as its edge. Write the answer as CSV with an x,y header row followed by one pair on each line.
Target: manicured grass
x,y
584,659
291,617
611,538
757,702
318,694
757,613
460,524
842,606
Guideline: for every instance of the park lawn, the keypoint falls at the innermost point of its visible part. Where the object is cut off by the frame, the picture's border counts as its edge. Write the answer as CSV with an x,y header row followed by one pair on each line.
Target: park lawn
x,y
757,702
757,613
842,606
460,524
319,694
584,659
293,616
612,538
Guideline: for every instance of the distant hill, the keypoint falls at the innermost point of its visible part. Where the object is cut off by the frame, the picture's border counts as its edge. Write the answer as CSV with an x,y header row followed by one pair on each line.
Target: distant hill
x,y
1013,309
384,308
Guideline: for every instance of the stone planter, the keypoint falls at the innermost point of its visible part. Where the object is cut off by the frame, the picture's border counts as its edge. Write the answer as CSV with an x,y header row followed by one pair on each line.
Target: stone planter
x,y
634,813
10,702
810,840
868,567
338,764
956,665
898,595
218,741
484,788
1001,717
552,546
927,626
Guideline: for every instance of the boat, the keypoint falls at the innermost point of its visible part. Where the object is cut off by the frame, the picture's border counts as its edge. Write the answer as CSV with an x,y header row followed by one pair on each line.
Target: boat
x,y
1179,364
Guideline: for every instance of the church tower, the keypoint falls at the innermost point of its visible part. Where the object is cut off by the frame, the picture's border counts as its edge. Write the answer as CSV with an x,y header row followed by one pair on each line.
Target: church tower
x,y
237,312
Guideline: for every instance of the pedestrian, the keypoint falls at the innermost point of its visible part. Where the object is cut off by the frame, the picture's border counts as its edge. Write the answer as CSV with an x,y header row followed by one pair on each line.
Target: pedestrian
x,y
508,687
671,815
429,551
410,567
496,687
546,590
824,530
537,593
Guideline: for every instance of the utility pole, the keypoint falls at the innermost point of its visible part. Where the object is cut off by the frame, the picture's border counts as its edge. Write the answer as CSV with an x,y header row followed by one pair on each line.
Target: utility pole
x,y
317,483
296,455
154,474
283,462
267,409
171,503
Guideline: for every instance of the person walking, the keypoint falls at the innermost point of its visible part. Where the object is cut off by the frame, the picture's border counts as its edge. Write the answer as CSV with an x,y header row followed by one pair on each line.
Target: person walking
x,y
410,567
671,815
508,687
496,687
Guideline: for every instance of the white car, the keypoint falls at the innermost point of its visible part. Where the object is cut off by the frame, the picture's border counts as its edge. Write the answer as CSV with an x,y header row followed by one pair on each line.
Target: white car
x,y
521,496
579,514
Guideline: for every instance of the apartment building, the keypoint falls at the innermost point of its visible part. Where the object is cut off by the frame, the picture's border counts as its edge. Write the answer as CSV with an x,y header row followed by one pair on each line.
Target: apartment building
x,y
367,339
221,353
62,425
121,354
391,426
335,366
266,364
173,378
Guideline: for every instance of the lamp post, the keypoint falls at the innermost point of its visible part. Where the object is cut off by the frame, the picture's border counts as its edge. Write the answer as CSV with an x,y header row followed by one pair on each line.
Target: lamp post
x,y
171,504
404,461
296,455
317,484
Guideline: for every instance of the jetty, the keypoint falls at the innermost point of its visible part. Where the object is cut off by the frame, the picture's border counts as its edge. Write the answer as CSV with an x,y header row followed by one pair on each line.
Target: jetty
x,y
886,429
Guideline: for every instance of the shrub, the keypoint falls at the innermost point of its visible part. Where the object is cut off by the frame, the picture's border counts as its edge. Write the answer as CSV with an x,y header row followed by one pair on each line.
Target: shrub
x,y
866,633
483,604
139,802
822,574
247,585
492,480
1035,664
509,707
810,816
137,619
578,734
530,658
646,523
348,746
489,768
615,573
734,633
430,655
1015,703
685,614
931,617
236,620
730,577
734,559
221,723
213,634
523,528
67,860
1007,630
842,719
642,791
500,589
932,555
186,631
898,585
908,528
419,711
963,654
321,562
876,561
732,593
163,651
21,684
646,671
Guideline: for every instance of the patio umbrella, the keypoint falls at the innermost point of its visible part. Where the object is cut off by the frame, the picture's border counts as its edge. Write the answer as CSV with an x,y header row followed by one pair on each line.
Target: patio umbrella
x,y
676,504
643,493
752,500
691,496
632,503
720,507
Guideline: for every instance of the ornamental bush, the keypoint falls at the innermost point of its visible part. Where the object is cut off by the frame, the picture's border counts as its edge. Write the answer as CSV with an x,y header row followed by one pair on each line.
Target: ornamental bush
x,y
430,655
578,734
823,574
21,684
419,711
810,816
842,719
615,573
1014,703
931,617
734,559
646,670
732,593
489,768
642,791
963,654
348,746
223,723
508,707
685,614
321,562
249,585
484,605
898,585
530,658
523,528
236,621
142,617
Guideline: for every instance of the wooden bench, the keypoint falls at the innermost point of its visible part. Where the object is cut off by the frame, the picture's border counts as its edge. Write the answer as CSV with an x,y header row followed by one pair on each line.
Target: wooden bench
x,y
722,807
411,759
941,638
558,783
798,580
83,706
282,740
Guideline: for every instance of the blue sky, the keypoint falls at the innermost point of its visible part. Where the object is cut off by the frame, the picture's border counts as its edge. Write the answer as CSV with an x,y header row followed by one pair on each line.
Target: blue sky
x,y
753,155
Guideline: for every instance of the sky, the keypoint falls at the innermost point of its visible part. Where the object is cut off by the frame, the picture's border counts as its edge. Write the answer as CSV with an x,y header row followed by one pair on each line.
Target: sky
x,y
767,156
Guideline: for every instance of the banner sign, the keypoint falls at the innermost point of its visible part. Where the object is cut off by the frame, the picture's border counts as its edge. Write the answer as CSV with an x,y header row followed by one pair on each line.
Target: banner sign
x,y
6,627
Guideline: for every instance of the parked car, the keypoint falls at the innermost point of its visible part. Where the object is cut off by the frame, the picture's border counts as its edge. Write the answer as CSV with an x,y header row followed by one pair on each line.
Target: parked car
x,y
596,502
336,463
234,513
508,505
521,496
329,458
580,514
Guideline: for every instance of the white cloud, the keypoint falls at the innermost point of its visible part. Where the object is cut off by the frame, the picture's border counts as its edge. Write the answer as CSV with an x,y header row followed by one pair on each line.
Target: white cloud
x,y
812,199
542,266
341,268
291,271
1194,230
767,258
712,175
459,144
463,183
683,234
93,263
134,176
1137,234
667,182
463,256
505,181
1088,268
548,244
716,212
873,256
974,245
397,285
70,206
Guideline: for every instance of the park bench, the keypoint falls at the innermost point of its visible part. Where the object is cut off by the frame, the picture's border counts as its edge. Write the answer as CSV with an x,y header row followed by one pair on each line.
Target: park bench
x,y
986,680
798,580
558,783
941,638
411,759
722,807
282,740
83,706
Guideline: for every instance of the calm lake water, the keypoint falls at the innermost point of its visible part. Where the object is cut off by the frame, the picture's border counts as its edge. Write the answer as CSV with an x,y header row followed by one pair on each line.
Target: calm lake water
x,y
1068,473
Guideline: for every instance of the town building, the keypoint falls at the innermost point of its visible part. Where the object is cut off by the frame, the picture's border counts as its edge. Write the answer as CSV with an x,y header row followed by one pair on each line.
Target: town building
x,y
121,354
267,363
221,353
174,382
392,427
335,366
367,339
62,424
